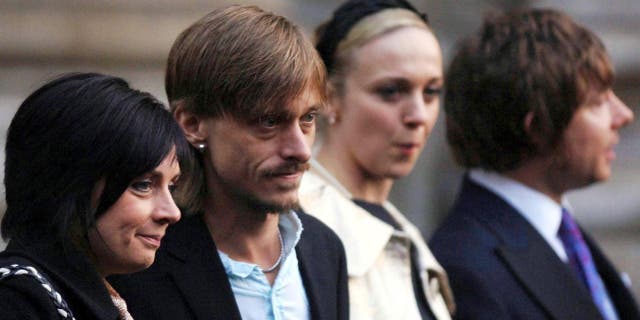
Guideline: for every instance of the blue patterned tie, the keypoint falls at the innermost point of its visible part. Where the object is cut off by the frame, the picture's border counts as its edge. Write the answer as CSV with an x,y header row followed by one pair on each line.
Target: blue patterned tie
x,y
582,263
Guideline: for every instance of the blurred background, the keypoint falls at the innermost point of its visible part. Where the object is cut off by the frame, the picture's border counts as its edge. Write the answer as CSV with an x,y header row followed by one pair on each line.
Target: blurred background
x,y
131,39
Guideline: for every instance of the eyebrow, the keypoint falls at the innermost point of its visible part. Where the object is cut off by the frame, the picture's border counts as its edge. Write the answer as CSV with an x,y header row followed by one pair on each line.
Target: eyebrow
x,y
156,173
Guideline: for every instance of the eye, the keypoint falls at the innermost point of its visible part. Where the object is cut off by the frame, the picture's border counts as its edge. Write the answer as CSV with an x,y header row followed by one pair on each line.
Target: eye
x,y
142,186
268,121
172,188
310,117
389,92
432,91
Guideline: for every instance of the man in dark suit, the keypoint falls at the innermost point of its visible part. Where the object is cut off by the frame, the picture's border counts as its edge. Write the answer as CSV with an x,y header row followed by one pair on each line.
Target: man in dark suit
x,y
531,115
245,85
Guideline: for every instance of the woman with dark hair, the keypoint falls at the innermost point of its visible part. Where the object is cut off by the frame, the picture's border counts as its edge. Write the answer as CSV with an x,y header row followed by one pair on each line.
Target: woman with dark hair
x,y
90,168
385,77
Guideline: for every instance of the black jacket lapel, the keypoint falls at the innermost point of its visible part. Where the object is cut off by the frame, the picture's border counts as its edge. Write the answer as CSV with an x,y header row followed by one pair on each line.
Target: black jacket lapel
x,y
197,269
307,271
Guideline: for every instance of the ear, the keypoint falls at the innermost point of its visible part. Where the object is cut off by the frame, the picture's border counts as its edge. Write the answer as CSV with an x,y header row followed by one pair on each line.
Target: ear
x,y
193,126
333,104
533,132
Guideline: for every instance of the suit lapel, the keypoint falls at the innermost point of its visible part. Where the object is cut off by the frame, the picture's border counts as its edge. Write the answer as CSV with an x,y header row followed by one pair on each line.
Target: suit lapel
x,y
309,271
620,294
547,280
198,272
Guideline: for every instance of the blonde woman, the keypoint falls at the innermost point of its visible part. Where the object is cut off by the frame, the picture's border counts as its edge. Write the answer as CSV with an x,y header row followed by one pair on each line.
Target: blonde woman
x,y
385,71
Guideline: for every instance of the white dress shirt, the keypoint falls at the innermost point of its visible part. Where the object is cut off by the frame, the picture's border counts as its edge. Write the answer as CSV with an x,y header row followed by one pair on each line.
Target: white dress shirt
x,y
543,213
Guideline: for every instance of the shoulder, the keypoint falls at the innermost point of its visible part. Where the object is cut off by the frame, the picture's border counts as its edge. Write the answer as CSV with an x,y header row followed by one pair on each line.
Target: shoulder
x,y
324,201
22,296
472,222
465,242
317,238
316,230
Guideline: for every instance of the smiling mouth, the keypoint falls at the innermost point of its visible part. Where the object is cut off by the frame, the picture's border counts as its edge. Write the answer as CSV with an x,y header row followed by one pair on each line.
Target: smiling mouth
x,y
151,240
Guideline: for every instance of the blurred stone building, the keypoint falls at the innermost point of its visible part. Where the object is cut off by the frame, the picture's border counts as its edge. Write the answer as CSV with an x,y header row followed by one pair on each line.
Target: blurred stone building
x,y
131,39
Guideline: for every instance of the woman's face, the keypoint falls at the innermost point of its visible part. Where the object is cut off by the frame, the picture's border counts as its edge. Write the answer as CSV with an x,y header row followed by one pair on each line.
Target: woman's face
x,y
389,102
127,235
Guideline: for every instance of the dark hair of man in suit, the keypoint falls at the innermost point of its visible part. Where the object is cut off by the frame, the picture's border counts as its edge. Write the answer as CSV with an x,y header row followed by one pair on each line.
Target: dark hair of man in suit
x,y
537,62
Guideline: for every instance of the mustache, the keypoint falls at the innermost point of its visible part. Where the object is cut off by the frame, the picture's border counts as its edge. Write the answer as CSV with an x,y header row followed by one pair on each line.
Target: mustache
x,y
287,168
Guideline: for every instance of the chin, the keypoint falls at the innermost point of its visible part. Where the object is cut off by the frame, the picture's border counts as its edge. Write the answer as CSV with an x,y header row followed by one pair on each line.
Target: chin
x,y
276,204
141,263
400,172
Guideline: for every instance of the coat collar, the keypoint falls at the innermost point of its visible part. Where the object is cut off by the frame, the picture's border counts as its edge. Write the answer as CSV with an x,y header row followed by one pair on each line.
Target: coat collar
x,y
71,269
363,235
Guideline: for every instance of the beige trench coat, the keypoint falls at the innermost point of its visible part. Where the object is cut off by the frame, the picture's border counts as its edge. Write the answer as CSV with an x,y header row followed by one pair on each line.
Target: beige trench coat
x,y
378,256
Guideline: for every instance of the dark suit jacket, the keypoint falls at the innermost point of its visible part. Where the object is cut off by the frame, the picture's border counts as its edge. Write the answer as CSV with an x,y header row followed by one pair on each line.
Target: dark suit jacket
x,y
71,275
500,267
188,281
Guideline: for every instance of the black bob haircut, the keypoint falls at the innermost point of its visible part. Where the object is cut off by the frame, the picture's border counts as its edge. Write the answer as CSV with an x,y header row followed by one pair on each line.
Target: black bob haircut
x,y
79,133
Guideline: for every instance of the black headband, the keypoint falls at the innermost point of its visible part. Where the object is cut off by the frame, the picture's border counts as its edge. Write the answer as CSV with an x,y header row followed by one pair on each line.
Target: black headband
x,y
346,16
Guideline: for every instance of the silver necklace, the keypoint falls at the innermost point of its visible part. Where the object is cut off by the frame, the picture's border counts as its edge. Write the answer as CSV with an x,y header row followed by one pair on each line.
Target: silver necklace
x,y
275,265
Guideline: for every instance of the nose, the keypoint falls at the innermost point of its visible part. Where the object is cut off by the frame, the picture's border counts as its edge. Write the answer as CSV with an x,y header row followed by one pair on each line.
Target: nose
x,y
296,143
416,113
166,209
621,115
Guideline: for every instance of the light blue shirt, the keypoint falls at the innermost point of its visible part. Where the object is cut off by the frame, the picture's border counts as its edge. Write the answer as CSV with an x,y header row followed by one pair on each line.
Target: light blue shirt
x,y
256,298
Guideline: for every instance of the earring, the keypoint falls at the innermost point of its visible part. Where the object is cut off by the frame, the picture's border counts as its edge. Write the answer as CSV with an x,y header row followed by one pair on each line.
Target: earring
x,y
332,118
201,147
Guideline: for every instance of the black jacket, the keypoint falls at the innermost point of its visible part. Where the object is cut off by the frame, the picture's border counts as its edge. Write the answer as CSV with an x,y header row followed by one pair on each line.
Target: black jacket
x,y
500,267
22,297
188,281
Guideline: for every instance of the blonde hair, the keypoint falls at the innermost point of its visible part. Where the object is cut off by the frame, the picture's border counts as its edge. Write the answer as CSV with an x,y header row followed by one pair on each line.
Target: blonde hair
x,y
365,30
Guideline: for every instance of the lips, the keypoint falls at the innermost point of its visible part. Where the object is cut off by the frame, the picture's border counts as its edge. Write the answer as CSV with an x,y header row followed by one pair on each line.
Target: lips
x,y
408,148
611,154
151,240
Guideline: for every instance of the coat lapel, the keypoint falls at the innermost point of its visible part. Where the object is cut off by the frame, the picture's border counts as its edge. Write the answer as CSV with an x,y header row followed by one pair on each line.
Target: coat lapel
x,y
310,271
620,294
548,280
198,272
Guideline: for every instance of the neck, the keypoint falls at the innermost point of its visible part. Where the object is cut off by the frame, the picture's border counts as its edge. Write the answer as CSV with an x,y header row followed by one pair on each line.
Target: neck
x,y
538,174
243,233
355,179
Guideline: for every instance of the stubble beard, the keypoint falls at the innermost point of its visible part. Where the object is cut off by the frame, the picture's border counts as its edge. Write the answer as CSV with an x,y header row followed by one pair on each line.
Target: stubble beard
x,y
256,204
259,205
266,206
262,206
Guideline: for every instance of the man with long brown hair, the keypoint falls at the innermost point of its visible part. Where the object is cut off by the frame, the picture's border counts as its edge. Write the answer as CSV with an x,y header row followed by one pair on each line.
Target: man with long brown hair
x,y
245,85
